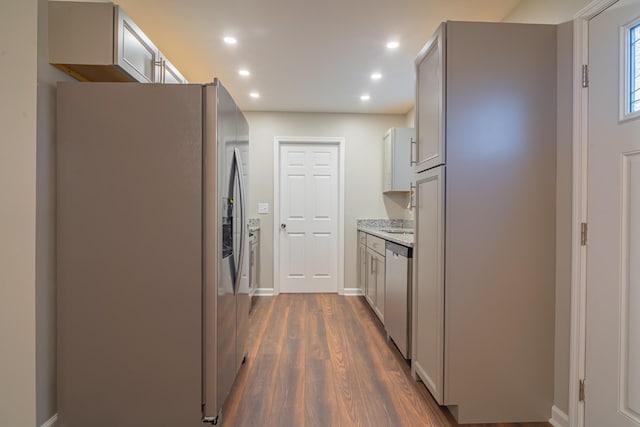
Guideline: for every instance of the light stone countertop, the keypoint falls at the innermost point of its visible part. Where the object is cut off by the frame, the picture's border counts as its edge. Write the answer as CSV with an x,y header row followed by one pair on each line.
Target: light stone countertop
x,y
404,239
254,224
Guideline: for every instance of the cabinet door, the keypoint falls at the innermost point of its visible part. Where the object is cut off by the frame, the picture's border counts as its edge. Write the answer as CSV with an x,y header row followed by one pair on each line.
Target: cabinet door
x,y
428,289
375,282
362,268
168,72
380,285
134,52
371,293
387,166
430,100
254,262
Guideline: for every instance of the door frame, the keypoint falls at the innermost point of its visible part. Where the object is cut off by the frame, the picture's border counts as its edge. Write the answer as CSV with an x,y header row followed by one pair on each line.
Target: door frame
x,y
577,351
278,141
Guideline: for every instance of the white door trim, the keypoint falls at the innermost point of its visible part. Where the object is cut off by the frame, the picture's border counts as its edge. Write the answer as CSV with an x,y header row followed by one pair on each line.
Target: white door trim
x,y
277,142
577,352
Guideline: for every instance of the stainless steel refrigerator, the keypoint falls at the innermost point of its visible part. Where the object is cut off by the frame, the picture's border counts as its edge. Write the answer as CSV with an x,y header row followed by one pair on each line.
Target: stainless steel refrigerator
x,y
152,232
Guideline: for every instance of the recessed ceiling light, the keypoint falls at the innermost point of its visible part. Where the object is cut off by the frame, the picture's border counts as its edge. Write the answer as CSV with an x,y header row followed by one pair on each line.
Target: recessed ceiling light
x,y
244,73
230,40
365,97
254,95
376,76
392,45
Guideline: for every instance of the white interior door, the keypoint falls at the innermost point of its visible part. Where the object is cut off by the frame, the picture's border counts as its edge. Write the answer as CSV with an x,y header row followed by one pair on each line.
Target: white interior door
x,y
308,218
613,211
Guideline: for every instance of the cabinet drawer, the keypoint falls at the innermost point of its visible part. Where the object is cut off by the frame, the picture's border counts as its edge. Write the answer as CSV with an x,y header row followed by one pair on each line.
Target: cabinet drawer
x,y
362,237
376,243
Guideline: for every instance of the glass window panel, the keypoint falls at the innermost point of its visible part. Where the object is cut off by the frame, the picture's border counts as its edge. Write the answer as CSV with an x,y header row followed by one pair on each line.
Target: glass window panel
x,y
634,72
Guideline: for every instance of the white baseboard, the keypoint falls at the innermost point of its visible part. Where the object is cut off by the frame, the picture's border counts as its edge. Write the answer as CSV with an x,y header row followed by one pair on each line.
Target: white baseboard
x,y
352,292
264,292
558,418
51,421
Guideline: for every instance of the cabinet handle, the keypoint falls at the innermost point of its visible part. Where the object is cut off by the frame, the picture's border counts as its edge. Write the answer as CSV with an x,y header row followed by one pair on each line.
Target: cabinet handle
x,y
412,195
411,161
160,65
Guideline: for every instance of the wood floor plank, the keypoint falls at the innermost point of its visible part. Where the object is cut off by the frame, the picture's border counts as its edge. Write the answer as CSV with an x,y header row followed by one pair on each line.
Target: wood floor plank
x,y
325,360
288,391
348,396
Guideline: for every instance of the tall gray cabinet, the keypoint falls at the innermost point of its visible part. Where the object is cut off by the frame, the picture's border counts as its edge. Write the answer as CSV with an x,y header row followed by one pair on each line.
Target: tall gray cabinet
x,y
483,322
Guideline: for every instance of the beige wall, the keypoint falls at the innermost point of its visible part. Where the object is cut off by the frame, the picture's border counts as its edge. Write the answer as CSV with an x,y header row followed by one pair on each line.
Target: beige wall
x,y
545,11
363,173
18,67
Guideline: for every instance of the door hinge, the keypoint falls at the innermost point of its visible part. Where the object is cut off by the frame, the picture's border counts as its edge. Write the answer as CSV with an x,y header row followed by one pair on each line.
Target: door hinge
x,y
583,234
581,391
585,75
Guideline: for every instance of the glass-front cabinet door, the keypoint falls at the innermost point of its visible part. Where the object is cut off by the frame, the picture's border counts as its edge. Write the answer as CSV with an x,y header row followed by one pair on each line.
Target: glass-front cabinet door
x,y
134,52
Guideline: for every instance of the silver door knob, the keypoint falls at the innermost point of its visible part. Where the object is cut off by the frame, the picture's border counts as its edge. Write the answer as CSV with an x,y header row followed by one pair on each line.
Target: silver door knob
x,y
283,226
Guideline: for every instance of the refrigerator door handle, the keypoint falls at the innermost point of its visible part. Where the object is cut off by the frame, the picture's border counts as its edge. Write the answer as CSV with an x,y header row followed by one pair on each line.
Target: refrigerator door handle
x,y
243,203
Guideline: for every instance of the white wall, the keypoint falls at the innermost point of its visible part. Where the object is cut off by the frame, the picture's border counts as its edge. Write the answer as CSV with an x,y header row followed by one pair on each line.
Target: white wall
x,y
545,11
363,169
18,68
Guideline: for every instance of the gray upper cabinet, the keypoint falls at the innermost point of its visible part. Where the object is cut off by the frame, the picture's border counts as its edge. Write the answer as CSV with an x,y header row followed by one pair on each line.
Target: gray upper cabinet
x,y
100,42
169,73
430,99
397,170
134,52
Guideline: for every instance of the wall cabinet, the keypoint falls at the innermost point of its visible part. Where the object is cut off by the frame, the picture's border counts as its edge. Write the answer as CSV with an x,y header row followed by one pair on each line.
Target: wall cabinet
x,y
397,167
100,42
169,74
484,274
430,103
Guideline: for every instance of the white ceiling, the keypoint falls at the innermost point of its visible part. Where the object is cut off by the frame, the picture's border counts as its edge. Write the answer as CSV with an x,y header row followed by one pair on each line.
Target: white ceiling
x,y
304,55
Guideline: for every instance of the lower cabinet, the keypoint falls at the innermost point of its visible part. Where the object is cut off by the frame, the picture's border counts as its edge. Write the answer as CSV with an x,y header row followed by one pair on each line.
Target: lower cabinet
x,y
362,262
372,274
378,277
254,263
428,291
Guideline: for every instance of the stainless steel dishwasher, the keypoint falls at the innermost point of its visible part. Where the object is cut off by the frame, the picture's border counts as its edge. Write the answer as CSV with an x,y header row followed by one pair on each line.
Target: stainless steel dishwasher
x,y
397,298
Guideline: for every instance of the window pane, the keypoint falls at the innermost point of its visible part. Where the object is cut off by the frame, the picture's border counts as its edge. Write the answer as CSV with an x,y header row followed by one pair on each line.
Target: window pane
x,y
634,75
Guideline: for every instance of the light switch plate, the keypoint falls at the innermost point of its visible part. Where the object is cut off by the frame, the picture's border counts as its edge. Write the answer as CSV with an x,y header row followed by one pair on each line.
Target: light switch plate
x,y
263,208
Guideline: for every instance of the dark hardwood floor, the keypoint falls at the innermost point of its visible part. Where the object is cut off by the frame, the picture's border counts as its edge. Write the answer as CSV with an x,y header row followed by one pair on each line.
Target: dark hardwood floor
x,y
324,360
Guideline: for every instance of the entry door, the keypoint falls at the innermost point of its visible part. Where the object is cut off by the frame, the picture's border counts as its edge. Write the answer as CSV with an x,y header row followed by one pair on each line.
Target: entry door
x,y
308,218
613,212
